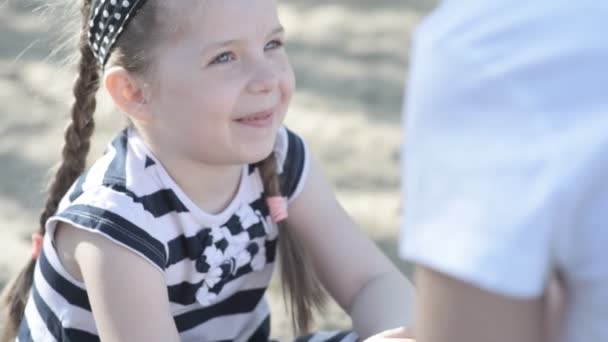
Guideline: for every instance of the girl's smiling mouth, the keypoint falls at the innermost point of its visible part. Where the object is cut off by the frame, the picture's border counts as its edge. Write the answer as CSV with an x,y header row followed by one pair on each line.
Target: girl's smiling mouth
x,y
259,119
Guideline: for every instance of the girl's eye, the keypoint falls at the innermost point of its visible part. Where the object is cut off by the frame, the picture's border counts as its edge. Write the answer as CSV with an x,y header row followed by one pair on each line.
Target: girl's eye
x,y
224,57
274,44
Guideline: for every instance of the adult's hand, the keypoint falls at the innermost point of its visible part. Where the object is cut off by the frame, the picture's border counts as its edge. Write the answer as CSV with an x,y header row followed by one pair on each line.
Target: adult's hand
x,y
393,335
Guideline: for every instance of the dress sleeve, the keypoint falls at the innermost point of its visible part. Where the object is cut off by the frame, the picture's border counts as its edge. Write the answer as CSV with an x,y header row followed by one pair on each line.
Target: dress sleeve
x,y
292,157
116,216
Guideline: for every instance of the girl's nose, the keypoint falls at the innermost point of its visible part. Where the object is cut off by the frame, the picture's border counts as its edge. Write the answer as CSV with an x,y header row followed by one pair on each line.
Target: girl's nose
x,y
265,79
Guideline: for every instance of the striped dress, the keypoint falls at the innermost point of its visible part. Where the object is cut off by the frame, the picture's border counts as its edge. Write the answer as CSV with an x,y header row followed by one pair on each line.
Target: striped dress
x,y
217,267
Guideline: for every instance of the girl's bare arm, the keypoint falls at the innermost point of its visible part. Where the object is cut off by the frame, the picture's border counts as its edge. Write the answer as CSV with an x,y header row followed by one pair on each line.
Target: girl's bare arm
x,y
128,295
350,266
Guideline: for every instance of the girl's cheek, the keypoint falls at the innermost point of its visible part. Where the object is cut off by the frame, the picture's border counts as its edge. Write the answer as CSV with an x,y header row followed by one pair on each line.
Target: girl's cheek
x,y
288,81
290,84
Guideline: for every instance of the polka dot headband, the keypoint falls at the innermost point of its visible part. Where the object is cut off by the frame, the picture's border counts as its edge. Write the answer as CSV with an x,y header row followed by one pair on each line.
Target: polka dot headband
x,y
107,20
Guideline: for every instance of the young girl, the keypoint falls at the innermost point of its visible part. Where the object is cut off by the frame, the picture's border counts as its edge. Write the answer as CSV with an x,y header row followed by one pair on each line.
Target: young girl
x,y
173,233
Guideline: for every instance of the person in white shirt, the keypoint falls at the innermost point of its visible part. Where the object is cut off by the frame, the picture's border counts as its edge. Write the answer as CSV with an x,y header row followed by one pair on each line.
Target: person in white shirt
x,y
505,166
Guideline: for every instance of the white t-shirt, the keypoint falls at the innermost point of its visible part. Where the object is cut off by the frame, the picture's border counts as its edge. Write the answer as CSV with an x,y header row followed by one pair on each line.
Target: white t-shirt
x,y
506,151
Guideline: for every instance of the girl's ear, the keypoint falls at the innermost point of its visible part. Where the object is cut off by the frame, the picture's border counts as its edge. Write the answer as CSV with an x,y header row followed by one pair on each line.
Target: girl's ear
x,y
128,93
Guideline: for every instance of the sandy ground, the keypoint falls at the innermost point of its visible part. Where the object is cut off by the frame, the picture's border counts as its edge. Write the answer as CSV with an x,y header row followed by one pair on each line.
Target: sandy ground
x,y
350,58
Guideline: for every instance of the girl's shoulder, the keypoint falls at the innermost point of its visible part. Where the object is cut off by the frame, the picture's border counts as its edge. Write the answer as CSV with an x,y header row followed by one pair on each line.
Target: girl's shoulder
x,y
119,198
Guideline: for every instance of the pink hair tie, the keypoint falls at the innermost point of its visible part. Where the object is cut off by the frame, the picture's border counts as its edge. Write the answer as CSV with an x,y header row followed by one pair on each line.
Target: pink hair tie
x,y
278,208
37,240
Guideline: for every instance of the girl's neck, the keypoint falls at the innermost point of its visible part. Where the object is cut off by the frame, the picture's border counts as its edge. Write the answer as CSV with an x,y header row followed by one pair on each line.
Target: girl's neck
x,y
212,187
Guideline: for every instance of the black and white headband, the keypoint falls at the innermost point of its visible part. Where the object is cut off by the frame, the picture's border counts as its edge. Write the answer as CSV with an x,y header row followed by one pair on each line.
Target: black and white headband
x,y
107,20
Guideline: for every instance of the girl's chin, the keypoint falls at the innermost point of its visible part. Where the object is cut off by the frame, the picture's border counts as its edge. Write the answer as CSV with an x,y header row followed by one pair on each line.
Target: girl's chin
x,y
252,150
258,157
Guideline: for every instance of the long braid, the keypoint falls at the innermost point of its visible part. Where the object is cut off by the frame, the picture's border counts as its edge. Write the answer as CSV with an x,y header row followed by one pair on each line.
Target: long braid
x,y
297,275
75,151
78,132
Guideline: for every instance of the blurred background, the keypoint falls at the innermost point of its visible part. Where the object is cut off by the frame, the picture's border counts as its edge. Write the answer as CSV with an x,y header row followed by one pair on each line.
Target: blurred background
x,y
350,58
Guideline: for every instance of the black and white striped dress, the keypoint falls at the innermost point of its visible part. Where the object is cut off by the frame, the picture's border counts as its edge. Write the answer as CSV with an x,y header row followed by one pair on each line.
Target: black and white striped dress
x,y
217,267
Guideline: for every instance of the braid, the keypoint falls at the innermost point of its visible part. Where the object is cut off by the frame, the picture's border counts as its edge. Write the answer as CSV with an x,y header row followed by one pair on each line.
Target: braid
x,y
297,275
77,143
78,133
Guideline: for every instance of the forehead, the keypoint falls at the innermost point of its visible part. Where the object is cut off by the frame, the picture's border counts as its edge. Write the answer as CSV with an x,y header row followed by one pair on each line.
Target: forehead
x,y
218,19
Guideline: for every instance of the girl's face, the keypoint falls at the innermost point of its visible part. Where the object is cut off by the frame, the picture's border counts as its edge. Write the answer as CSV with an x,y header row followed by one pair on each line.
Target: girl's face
x,y
222,82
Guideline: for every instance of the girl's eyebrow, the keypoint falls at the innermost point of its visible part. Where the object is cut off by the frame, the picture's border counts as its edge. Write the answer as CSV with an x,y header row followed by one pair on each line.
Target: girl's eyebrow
x,y
225,43
277,30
